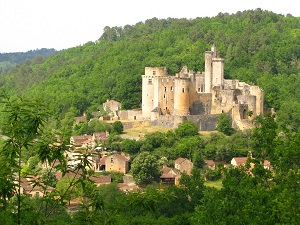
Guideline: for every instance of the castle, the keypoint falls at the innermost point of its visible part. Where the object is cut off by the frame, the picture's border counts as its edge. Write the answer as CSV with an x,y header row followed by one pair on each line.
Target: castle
x,y
200,97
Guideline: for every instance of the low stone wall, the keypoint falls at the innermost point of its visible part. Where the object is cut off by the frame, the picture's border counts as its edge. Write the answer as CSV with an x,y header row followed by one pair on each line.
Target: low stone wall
x,y
204,122
132,124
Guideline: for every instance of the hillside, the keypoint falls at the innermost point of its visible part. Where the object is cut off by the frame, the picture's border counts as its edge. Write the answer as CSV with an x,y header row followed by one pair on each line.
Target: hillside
x,y
11,59
260,47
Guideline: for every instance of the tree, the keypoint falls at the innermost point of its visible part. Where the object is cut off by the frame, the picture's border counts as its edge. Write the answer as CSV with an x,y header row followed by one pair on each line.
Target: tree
x,y
117,127
186,129
264,136
224,124
23,123
144,168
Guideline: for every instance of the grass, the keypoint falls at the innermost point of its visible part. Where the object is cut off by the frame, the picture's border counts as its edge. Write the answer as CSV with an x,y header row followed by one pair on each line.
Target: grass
x,y
141,131
217,184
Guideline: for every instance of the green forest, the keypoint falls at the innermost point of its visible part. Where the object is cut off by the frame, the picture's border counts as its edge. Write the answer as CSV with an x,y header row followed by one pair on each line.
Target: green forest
x,y
11,59
41,97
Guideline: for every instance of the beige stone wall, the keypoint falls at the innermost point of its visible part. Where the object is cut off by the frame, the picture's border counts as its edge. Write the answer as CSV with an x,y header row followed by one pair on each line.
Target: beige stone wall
x,y
259,93
113,163
181,96
217,72
202,93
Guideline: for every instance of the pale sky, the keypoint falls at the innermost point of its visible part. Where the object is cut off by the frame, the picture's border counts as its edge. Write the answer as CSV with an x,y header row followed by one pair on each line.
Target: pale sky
x,y
60,24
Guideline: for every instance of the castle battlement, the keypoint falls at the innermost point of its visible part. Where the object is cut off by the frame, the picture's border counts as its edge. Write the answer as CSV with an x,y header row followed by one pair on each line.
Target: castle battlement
x,y
190,94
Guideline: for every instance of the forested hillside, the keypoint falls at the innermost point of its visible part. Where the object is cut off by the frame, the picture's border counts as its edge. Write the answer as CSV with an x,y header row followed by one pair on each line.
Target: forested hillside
x,y
11,59
260,47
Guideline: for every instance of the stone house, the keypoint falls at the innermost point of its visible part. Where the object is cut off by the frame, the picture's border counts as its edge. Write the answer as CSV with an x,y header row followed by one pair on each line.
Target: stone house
x,y
81,141
111,106
99,137
116,163
210,164
101,179
169,176
267,165
33,191
238,161
183,165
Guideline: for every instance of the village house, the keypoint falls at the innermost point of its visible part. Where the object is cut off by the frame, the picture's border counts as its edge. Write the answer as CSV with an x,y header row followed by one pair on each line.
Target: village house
x,y
82,118
98,138
267,165
210,164
116,163
239,161
183,165
33,191
111,106
81,141
169,176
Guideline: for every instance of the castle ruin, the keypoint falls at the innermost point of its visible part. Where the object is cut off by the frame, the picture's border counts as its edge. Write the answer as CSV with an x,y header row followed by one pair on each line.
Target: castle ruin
x,y
200,97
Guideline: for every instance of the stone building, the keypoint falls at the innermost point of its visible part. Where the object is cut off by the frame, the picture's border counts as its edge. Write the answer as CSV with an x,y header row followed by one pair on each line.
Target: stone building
x,y
199,96
184,165
116,163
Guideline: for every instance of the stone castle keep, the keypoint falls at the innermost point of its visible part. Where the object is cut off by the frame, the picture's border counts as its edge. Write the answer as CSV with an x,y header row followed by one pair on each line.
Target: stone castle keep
x,y
200,97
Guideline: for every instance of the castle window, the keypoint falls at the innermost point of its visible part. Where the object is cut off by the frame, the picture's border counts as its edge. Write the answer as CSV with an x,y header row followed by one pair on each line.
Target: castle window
x,y
154,72
165,88
171,88
149,81
198,89
111,160
182,90
164,96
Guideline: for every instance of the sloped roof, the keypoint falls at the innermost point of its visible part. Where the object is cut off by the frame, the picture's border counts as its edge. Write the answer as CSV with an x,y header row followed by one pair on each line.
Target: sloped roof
x,y
179,160
209,162
168,172
101,179
111,101
100,135
240,160
120,157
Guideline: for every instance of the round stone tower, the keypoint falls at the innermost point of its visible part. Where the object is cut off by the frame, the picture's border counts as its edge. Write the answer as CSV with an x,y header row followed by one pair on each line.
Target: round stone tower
x,y
181,96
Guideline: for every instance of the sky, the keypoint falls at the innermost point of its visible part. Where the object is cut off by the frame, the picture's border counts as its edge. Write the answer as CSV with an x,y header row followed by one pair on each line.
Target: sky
x,y
34,24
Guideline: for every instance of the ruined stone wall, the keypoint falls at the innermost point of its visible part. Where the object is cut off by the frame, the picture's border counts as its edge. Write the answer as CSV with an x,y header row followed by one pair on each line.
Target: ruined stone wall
x,y
200,103
130,114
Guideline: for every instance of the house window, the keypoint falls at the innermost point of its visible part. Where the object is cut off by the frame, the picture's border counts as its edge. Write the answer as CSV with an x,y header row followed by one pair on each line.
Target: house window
x,y
111,160
154,72
149,81
37,194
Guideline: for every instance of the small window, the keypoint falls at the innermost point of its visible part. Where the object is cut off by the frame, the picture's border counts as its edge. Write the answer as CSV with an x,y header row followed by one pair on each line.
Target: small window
x,y
111,159
154,72
149,81
182,90
165,88
37,194
198,89
171,88
164,96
